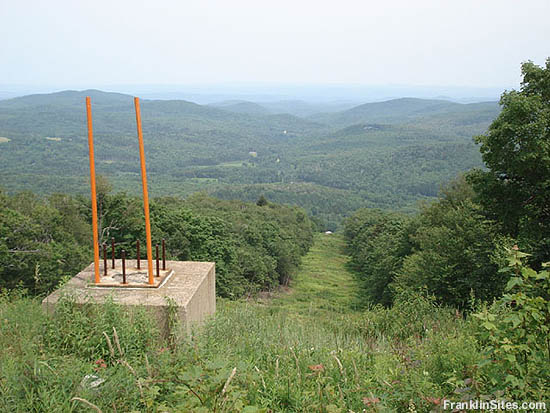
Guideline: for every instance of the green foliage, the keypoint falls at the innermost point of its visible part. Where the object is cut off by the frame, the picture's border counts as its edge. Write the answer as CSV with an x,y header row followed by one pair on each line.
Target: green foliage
x,y
388,156
516,149
453,254
401,323
516,333
313,349
41,241
450,249
308,350
212,386
377,242
262,201
255,248
78,329
326,206
268,240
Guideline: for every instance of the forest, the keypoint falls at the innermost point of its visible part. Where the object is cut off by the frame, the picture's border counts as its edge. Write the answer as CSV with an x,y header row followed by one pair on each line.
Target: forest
x,y
439,292
48,239
387,155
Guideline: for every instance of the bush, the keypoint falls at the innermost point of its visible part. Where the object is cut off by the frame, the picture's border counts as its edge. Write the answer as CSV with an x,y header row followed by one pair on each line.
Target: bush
x,y
41,241
412,315
515,331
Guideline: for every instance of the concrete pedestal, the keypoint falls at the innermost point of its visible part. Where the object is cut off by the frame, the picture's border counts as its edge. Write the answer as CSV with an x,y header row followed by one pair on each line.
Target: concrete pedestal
x,y
191,289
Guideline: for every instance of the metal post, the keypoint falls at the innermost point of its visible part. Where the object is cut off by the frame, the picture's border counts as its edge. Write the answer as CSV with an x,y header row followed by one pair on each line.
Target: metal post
x,y
145,194
104,259
157,256
113,252
93,188
163,255
137,254
123,267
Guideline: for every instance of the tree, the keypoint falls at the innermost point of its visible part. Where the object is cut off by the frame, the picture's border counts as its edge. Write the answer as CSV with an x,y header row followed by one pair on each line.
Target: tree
x,y
516,149
455,250
39,241
377,243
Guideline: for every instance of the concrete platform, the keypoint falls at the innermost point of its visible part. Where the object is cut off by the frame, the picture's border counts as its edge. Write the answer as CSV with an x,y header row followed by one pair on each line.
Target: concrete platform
x,y
191,288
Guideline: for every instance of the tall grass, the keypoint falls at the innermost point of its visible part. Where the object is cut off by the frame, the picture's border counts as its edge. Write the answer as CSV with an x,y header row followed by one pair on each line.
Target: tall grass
x,y
283,362
285,354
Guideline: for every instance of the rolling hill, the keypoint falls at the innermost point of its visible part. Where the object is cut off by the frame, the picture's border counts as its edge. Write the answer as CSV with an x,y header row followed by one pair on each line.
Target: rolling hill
x,y
241,106
298,108
388,154
407,109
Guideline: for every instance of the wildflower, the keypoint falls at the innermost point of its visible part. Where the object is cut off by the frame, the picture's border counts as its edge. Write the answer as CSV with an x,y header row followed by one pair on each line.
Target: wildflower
x,y
317,368
100,364
370,401
433,400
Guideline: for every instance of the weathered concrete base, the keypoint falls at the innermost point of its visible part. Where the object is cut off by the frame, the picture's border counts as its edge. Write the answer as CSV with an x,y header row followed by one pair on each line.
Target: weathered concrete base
x,y
191,290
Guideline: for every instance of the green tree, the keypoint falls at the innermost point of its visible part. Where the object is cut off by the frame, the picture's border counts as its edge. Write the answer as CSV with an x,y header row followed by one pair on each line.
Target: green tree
x,y
39,241
377,243
262,201
516,149
43,240
453,250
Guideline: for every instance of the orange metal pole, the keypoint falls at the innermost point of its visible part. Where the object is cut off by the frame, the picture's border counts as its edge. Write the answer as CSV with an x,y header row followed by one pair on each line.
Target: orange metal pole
x,y
92,184
145,194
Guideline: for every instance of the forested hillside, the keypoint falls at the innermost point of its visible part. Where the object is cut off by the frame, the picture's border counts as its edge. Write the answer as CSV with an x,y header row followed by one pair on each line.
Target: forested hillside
x,y
454,247
387,154
298,108
409,109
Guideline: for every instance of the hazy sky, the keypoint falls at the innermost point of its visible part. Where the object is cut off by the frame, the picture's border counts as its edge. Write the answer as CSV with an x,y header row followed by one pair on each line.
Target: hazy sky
x,y
419,42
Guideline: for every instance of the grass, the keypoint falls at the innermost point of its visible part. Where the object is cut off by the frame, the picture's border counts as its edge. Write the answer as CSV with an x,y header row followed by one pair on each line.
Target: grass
x,y
323,284
306,350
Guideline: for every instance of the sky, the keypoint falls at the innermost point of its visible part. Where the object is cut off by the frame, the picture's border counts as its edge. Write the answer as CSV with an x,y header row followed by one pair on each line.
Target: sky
x,y
478,43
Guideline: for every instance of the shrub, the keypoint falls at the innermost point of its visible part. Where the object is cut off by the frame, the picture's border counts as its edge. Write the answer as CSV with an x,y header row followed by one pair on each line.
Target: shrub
x,y
515,331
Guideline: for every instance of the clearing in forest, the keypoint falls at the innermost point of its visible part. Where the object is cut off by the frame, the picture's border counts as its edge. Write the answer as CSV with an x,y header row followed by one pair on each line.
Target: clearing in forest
x,y
323,282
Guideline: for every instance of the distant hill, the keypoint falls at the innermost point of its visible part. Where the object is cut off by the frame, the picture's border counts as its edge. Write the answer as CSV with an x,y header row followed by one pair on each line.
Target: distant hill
x,y
304,109
403,110
66,98
241,107
63,113
387,154
298,108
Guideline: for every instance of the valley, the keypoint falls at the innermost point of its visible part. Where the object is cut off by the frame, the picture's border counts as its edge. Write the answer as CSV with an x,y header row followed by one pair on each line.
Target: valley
x,y
388,154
